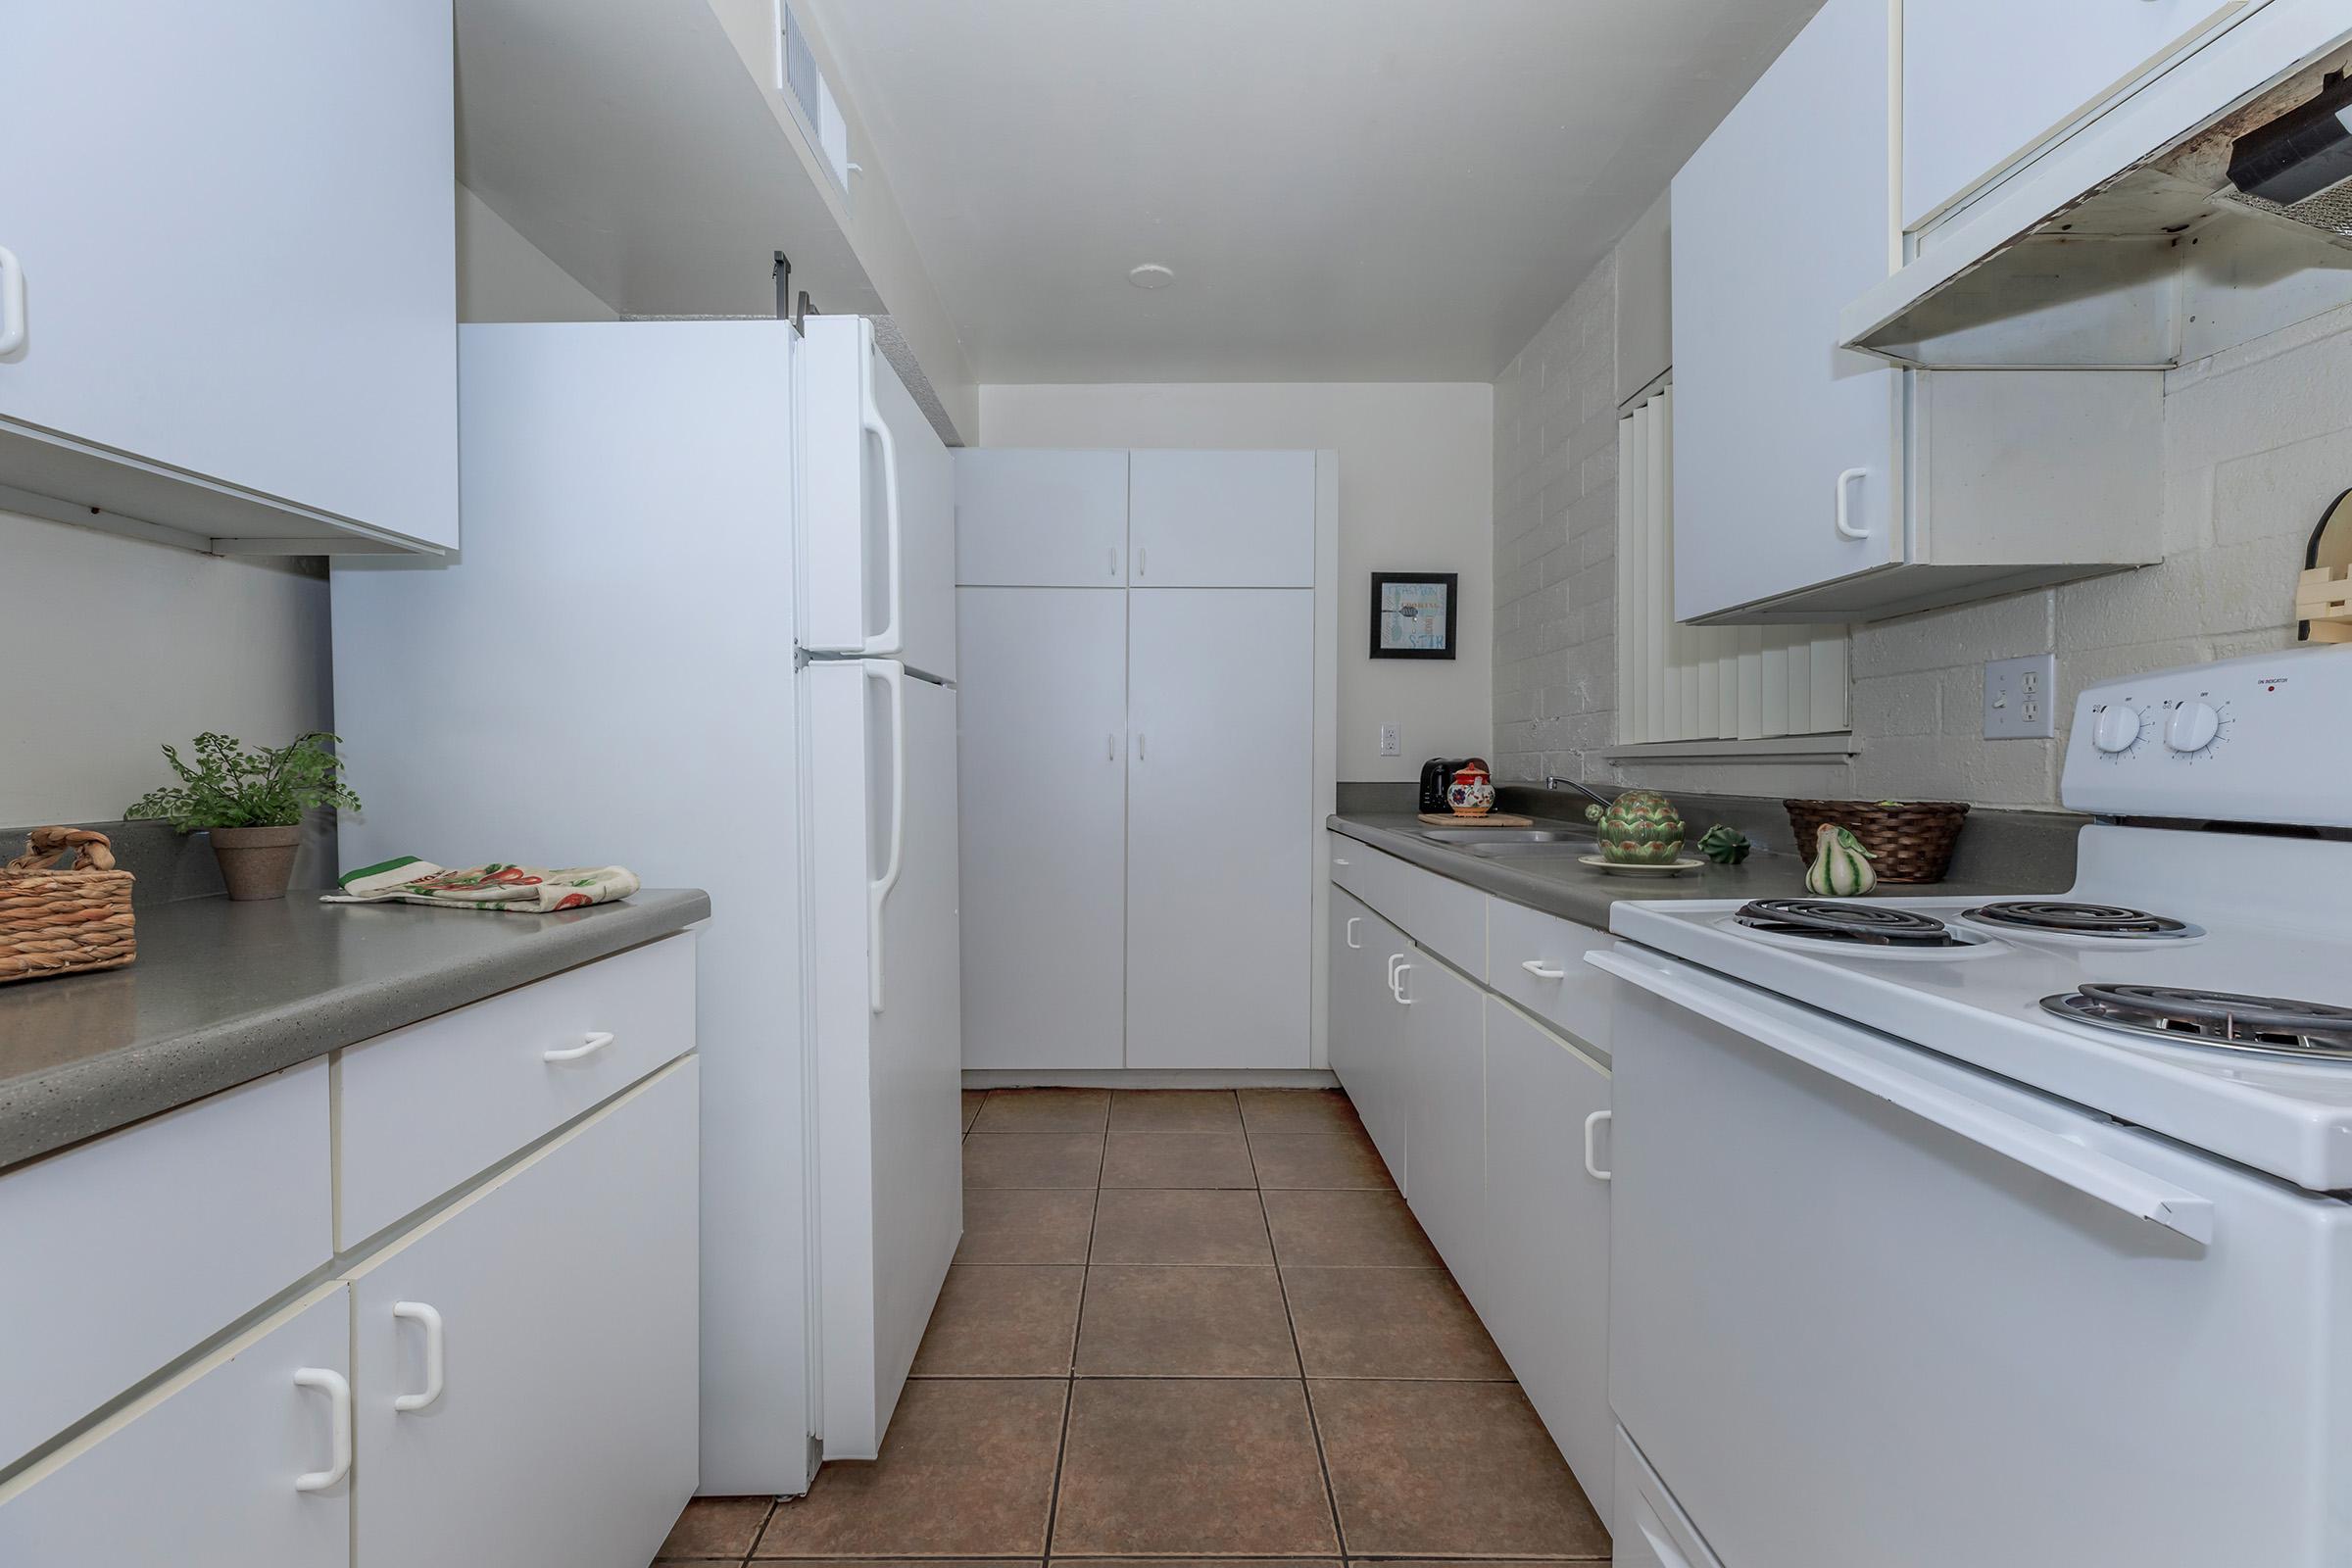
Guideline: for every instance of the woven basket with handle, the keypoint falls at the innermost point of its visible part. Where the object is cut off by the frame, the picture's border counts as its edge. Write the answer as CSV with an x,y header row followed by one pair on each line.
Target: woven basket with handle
x,y
1909,841
63,908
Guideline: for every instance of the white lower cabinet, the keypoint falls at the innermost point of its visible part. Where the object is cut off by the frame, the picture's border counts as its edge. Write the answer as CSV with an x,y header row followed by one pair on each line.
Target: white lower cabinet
x,y
1547,1241
1445,1114
241,1461
1368,1023
542,1335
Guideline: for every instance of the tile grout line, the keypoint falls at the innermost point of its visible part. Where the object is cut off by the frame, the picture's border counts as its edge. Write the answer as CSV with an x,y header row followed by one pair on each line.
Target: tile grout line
x,y
1069,1386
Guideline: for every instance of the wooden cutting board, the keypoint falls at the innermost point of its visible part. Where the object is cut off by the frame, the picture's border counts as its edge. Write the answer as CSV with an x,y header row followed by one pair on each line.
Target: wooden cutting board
x,y
1491,819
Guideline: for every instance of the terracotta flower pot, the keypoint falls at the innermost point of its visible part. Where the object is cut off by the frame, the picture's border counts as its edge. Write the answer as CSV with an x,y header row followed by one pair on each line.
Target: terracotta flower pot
x,y
256,861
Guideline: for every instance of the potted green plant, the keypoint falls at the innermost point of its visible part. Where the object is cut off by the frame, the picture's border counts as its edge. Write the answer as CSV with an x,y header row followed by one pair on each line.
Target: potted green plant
x,y
251,801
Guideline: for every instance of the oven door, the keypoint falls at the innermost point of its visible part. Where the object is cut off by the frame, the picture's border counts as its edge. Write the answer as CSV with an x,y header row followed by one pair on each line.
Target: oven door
x,y
1869,1307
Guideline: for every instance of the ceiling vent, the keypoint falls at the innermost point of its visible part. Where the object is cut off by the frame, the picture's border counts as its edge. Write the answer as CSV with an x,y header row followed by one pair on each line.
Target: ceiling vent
x,y
812,97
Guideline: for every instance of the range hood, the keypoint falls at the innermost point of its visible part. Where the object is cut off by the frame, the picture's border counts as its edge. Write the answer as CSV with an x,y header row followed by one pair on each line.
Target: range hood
x,y
2125,243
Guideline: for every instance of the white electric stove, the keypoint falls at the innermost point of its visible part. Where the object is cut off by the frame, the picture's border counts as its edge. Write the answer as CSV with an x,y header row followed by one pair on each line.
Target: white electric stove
x,y
1961,1230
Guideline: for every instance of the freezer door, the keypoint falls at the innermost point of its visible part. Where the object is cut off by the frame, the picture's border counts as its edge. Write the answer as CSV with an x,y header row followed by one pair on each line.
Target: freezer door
x,y
878,507
884,968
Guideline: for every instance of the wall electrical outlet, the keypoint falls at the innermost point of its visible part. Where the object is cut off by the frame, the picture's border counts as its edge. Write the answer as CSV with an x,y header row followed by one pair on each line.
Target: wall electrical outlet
x,y
2021,697
1391,743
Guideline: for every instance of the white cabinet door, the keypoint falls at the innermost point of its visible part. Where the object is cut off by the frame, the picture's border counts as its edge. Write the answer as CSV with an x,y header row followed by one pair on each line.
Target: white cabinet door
x,y
1984,81
1041,519
202,1472
237,228
1367,1024
1785,446
551,1320
1222,520
1042,770
1446,1114
1220,842
1548,1236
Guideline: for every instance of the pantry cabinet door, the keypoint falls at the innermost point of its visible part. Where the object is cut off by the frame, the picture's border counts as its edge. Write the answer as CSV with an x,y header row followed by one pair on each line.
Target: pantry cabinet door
x,y
548,1322
1221,519
1041,792
202,1473
1784,456
1548,1236
1220,843
1446,1114
1041,519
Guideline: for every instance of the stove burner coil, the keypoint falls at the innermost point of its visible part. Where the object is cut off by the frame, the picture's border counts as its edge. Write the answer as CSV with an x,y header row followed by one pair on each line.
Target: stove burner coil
x,y
2068,918
2272,1025
1827,921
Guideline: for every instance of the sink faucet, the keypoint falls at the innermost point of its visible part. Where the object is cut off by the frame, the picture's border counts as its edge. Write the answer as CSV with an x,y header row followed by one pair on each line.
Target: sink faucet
x,y
1584,789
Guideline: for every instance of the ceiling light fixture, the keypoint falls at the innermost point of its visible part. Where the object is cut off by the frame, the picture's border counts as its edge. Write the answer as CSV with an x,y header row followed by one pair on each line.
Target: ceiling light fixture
x,y
1151,275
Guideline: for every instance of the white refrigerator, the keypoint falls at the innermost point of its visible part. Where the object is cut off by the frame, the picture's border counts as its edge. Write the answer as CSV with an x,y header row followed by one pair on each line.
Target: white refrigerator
x,y
703,626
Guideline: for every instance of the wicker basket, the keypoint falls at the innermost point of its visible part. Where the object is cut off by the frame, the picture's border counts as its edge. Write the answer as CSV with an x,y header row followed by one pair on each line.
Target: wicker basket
x,y
1909,841
59,919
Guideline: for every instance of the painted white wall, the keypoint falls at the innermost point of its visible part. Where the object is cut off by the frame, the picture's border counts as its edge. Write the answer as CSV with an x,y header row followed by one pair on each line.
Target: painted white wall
x,y
1416,494
504,278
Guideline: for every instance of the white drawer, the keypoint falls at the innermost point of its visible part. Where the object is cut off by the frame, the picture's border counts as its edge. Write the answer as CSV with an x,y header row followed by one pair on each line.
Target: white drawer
x,y
1446,917
1650,1529
426,1107
120,1255
1537,960
1347,861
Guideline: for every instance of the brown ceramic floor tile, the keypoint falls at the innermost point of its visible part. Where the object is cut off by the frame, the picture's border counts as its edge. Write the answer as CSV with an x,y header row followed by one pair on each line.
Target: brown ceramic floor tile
x,y
1318,1160
717,1527
1195,1467
1449,1470
1347,1230
965,1470
1151,1227
1003,1323
1032,1159
1037,1225
1044,1110
1175,1110
1388,1323
1298,1111
1472,1562
971,1106
1178,1160
1185,1323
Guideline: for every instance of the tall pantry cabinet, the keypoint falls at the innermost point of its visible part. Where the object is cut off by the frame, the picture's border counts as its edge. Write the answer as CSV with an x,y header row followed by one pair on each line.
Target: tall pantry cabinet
x,y
1136,656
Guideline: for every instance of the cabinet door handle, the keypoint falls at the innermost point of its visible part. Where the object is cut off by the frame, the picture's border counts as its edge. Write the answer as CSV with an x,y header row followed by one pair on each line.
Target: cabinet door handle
x,y
1139,745
1138,562
1396,985
1110,747
598,1040
430,1317
1846,522
1395,958
1591,1165
1114,559
1349,934
1542,970
337,1389
11,302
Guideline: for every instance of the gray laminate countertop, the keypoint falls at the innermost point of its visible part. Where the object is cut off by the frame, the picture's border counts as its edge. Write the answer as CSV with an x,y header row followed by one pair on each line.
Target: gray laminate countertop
x,y
1554,882
223,993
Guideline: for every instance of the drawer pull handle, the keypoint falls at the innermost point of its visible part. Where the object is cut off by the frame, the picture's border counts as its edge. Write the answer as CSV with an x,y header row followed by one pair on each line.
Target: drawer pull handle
x,y
430,1317
1592,1167
1542,970
1353,921
339,1394
597,1041
1339,863
1396,984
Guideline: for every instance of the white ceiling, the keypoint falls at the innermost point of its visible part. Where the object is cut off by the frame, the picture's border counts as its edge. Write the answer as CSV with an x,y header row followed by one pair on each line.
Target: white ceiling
x,y
1346,189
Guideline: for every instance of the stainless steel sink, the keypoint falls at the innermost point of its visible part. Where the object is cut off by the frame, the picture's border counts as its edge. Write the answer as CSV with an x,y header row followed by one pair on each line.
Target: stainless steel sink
x,y
1476,837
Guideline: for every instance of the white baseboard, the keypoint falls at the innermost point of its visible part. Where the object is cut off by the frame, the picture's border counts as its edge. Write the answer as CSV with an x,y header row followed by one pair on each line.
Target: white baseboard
x,y
1150,1078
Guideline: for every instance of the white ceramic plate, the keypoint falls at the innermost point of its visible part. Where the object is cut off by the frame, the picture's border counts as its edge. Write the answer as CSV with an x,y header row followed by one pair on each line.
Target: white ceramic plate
x,y
1626,868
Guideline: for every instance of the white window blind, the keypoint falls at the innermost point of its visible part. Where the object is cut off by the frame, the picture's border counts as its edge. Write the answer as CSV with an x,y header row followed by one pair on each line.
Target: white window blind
x,y
1692,683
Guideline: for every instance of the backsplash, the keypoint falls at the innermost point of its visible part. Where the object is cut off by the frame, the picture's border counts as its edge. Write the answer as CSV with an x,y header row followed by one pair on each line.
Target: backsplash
x,y
2257,441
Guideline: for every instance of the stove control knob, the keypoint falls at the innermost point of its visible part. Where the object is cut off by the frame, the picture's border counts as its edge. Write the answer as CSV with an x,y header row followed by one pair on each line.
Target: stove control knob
x,y
2117,728
2191,727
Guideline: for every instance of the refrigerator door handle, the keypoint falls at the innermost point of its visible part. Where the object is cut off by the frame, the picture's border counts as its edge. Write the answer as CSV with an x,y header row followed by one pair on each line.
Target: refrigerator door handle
x,y
890,640
893,676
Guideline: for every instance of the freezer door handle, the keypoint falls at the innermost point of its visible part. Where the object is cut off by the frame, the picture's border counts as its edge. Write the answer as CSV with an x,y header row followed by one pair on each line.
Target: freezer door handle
x,y
2094,1175
893,678
891,639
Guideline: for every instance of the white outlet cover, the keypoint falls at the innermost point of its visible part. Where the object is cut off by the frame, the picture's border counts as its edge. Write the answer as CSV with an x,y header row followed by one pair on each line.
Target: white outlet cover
x,y
2021,697
1391,744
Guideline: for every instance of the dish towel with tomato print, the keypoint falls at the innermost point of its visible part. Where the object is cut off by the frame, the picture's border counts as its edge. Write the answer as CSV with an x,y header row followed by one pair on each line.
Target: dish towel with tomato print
x,y
496,887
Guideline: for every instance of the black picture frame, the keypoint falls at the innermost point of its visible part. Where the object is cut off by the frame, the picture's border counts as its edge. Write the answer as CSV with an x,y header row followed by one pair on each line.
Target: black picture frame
x,y
1449,581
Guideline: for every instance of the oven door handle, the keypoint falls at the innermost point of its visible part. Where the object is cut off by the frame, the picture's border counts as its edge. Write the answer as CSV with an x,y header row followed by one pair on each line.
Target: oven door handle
x,y
2095,1175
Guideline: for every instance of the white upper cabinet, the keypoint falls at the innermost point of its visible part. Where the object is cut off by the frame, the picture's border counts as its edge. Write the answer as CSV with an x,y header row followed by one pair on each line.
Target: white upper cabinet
x,y
1987,81
1784,445
1041,519
1221,519
234,237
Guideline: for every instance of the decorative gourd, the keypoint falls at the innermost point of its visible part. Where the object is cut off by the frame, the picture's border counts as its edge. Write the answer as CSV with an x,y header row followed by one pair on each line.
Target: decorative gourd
x,y
1840,867
1725,846
1640,827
